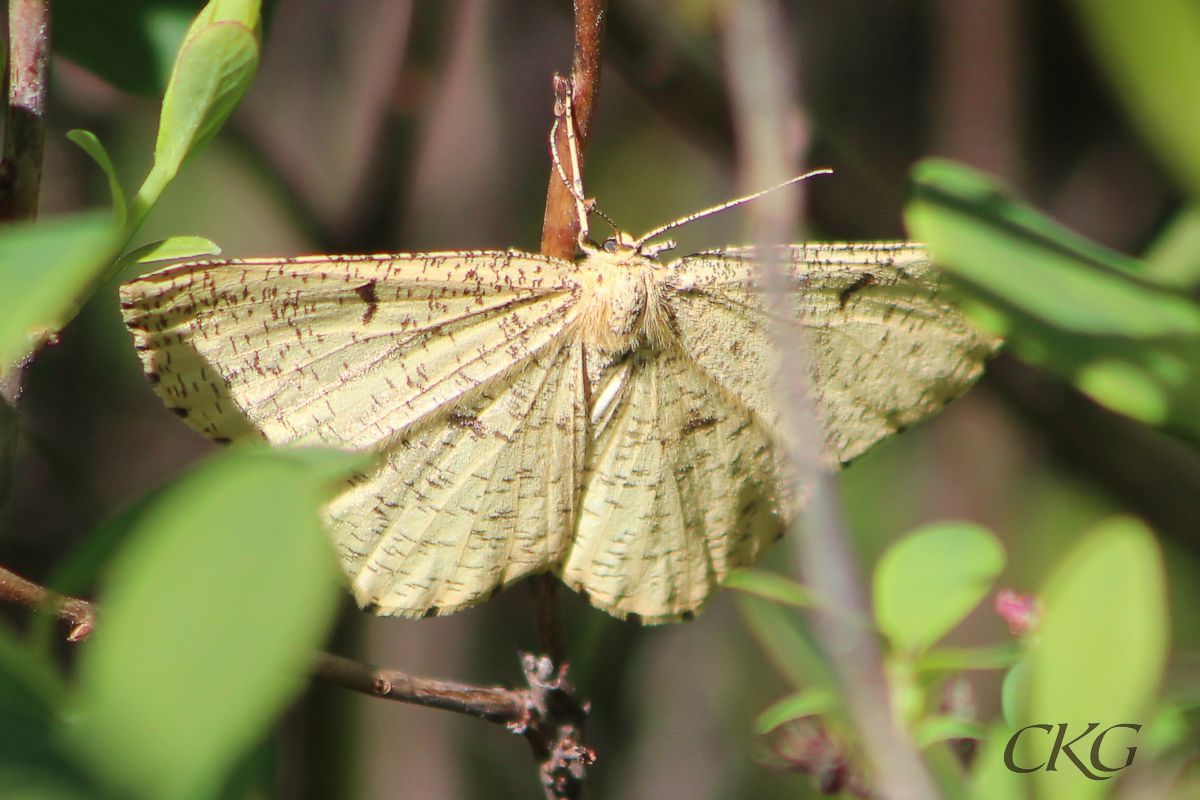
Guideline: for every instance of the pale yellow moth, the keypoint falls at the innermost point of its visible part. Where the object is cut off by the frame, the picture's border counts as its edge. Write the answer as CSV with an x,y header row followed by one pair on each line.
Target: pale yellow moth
x,y
611,420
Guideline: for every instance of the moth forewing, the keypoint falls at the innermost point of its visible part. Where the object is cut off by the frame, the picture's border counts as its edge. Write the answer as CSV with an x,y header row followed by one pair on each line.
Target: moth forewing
x,y
886,346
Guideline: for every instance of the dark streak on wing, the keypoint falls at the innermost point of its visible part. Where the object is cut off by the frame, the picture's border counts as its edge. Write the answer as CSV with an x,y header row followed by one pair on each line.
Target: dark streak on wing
x,y
366,293
694,424
862,282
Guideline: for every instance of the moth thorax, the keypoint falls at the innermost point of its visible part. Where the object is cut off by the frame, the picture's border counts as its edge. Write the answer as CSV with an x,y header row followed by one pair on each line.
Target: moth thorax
x,y
621,303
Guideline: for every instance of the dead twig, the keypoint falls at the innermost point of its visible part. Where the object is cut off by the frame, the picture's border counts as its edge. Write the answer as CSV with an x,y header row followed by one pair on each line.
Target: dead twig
x,y
79,614
545,713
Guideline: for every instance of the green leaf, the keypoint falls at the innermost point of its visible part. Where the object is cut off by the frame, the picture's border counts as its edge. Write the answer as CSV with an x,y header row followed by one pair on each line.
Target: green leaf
x,y
960,659
215,66
1151,52
211,612
990,778
1174,257
1014,693
800,704
32,763
1066,304
92,146
786,642
171,249
771,586
940,728
1102,645
48,269
927,582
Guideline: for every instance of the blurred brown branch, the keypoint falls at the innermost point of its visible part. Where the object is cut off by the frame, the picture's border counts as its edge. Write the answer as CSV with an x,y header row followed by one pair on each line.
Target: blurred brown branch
x,y
546,713
79,614
21,177
25,129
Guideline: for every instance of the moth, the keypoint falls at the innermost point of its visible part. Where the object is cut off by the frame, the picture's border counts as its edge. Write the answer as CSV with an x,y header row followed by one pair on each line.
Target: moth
x,y
613,420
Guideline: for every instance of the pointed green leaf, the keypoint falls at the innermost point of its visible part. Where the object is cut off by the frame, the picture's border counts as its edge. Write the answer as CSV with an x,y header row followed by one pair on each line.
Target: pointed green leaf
x,y
172,249
803,703
215,67
92,146
771,586
940,728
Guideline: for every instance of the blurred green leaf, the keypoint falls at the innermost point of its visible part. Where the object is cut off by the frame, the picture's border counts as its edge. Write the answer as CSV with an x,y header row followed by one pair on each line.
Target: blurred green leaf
x,y
48,268
215,66
211,611
92,146
1066,304
959,659
786,642
771,586
149,33
31,693
1102,645
803,703
927,582
990,778
30,685
1174,257
940,728
1151,52
1014,693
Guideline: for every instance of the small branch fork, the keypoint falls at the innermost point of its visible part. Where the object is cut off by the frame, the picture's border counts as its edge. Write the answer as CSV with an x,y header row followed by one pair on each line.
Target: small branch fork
x,y
546,713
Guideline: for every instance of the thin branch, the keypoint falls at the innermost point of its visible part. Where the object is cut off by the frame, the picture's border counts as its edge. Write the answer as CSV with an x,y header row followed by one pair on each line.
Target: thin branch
x,y
494,704
79,614
546,713
759,84
560,225
25,132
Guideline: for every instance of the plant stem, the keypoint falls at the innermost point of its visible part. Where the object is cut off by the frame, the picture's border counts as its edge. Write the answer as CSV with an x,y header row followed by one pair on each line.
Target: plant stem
x,y
79,614
25,131
759,78
560,225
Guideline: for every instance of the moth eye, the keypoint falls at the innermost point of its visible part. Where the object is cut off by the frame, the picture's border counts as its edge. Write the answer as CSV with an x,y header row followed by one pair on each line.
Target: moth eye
x,y
610,244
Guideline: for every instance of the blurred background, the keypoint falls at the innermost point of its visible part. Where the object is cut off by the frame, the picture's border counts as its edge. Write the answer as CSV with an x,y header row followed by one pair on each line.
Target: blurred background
x,y
385,125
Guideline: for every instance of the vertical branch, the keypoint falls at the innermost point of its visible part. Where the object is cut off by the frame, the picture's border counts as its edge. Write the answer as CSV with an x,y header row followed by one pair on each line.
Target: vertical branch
x,y
762,99
560,225
21,176
25,130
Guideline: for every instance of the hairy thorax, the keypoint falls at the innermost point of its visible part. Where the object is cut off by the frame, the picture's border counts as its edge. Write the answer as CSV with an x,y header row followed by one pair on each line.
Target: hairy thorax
x,y
621,302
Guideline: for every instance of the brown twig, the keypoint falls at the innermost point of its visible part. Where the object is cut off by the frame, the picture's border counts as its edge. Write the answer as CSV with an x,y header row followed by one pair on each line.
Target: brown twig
x,y
21,176
560,226
546,713
563,757
79,614
25,132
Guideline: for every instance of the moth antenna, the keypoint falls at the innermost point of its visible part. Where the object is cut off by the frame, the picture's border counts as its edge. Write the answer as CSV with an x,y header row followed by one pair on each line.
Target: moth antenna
x,y
575,186
737,201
